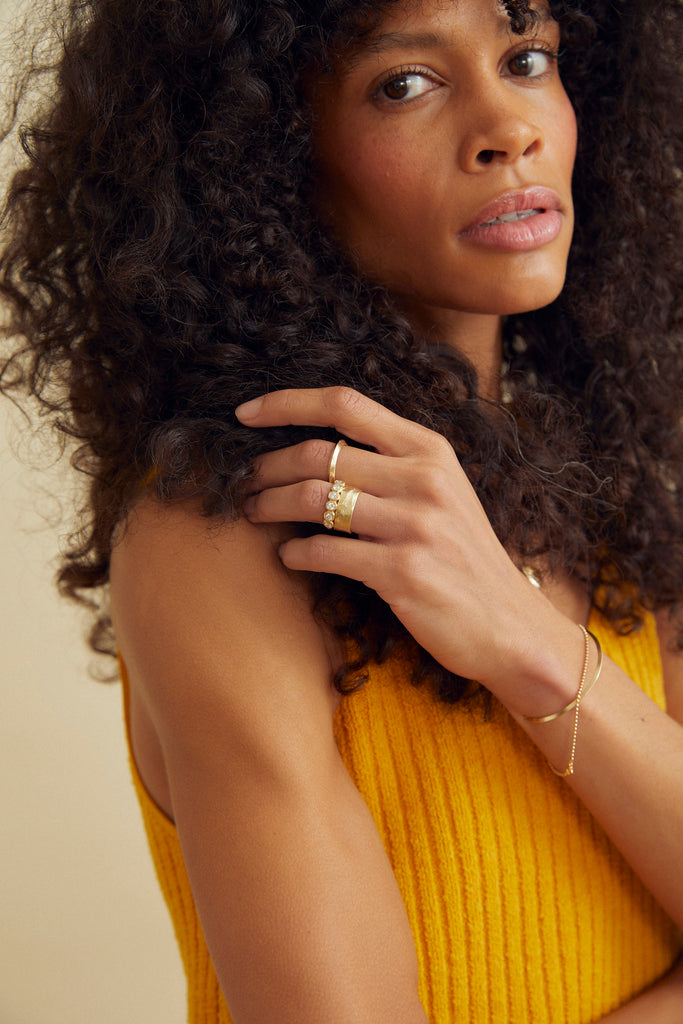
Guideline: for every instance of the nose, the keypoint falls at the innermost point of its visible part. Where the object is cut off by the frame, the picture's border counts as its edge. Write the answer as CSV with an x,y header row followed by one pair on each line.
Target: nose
x,y
501,133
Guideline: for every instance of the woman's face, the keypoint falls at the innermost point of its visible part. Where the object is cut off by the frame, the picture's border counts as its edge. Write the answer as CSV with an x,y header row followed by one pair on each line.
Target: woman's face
x,y
444,153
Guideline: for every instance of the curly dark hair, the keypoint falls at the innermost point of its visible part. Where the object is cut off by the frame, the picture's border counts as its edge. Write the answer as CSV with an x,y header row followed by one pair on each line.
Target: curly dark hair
x,y
163,262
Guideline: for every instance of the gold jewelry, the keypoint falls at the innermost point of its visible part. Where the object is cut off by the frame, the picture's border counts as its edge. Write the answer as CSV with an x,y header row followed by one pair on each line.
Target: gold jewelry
x,y
583,690
569,770
532,576
332,502
332,467
537,720
345,507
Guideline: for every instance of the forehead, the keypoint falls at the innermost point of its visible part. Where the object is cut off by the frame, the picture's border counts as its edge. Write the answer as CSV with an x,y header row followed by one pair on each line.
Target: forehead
x,y
390,23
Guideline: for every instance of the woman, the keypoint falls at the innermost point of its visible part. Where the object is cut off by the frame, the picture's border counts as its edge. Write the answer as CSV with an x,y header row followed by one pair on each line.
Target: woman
x,y
350,222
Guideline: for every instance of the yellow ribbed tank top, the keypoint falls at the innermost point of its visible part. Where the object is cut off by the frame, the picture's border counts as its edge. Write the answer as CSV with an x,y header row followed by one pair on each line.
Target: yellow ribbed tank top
x,y
522,910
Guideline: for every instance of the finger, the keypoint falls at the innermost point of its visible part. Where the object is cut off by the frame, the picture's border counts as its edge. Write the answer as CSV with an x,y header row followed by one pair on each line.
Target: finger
x,y
347,411
306,502
369,472
355,558
308,460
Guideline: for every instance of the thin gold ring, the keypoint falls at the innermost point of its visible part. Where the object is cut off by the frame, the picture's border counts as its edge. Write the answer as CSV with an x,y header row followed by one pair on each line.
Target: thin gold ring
x,y
332,467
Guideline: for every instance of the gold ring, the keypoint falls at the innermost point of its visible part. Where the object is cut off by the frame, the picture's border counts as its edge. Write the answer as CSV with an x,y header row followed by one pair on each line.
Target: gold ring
x,y
333,499
344,510
332,467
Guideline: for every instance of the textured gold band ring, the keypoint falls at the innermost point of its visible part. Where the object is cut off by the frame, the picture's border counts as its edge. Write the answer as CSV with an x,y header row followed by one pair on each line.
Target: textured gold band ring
x,y
332,467
344,511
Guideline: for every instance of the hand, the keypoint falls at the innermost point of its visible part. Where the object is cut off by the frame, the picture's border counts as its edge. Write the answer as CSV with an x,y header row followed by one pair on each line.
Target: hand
x,y
424,542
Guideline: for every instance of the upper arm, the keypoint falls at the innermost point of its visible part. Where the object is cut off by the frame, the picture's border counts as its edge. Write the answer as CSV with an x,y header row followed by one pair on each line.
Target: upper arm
x,y
672,665
300,908
218,636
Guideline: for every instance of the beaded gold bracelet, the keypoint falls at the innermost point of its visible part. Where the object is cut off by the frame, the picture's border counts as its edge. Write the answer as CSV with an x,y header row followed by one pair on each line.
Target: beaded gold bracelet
x,y
576,703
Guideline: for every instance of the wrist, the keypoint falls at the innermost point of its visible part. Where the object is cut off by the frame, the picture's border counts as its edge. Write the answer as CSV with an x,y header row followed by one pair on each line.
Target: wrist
x,y
544,661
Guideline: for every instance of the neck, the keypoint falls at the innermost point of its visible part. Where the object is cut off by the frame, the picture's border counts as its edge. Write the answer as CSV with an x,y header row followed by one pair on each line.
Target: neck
x,y
476,336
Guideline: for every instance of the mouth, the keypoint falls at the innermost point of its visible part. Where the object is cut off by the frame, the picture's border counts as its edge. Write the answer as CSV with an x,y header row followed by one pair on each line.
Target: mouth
x,y
517,205
517,221
512,218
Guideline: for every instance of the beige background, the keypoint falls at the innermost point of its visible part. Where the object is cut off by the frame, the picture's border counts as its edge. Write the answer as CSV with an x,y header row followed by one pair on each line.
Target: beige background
x,y
84,934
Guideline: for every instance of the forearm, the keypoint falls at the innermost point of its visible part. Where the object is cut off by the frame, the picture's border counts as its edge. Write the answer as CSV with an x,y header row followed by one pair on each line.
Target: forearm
x,y
629,773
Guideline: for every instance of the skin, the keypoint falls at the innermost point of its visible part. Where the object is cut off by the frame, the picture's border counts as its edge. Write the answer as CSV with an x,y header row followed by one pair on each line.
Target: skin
x,y
231,701
401,178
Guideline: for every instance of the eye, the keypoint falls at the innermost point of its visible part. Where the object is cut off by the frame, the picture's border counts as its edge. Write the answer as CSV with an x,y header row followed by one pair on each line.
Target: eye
x,y
404,86
531,63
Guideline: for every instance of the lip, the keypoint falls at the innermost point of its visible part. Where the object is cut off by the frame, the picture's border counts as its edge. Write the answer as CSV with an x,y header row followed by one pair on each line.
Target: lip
x,y
518,236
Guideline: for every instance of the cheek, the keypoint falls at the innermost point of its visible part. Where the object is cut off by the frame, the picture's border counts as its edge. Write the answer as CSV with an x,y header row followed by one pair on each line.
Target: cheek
x,y
373,180
566,135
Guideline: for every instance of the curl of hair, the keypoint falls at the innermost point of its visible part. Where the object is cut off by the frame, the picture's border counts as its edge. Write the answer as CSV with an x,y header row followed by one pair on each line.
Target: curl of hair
x,y
162,263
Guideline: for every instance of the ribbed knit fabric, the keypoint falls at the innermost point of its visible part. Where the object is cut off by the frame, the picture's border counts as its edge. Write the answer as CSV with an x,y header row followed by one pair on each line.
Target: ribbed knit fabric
x,y
522,910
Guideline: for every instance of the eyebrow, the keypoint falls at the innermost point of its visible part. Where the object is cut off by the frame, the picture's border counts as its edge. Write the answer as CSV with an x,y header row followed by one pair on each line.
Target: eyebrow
x,y
354,54
394,40
432,40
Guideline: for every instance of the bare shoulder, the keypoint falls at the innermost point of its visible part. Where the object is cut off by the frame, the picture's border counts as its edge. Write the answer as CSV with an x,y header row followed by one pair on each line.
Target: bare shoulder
x,y
232,677
214,631
672,664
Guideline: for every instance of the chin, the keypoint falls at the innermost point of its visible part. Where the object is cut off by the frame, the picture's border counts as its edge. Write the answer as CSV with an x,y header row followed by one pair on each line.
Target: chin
x,y
514,308
519,297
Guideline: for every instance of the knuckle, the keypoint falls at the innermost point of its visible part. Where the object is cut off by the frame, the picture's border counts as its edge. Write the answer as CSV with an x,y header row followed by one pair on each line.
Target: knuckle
x,y
442,447
432,482
344,400
319,551
313,494
255,507
430,443
278,401
314,453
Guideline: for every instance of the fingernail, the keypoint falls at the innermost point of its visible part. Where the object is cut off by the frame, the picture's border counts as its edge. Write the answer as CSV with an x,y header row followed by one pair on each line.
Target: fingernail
x,y
249,410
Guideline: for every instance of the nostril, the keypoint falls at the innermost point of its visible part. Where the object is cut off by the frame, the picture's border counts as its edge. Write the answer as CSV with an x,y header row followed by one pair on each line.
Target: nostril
x,y
485,157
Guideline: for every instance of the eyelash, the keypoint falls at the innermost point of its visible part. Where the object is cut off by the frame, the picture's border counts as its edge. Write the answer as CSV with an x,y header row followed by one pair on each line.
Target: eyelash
x,y
405,71
553,55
